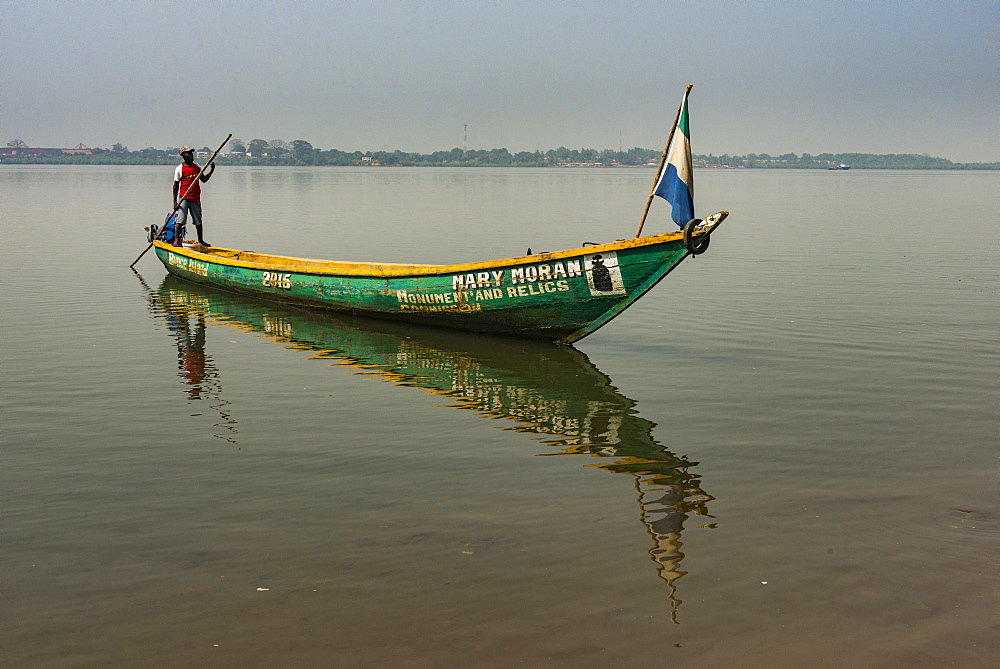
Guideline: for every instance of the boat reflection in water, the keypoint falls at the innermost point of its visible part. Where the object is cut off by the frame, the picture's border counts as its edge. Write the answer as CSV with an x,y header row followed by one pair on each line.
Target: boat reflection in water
x,y
548,390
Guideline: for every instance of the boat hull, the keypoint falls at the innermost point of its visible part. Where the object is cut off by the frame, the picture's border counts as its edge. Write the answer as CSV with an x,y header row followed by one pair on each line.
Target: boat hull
x,y
561,296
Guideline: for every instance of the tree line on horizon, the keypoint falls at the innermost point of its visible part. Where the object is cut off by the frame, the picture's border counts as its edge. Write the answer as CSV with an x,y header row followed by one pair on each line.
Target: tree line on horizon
x,y
300,152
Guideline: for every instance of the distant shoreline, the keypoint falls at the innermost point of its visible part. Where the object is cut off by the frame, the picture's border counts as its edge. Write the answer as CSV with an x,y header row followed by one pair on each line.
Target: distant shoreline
x,y
292,155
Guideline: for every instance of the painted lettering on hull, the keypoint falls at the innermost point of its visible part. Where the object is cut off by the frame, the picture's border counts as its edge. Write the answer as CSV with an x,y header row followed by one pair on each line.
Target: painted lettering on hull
x,y
546,272
600,271
477,280
410,301
276,280
488,294
407,297
537,289
189,264
538,272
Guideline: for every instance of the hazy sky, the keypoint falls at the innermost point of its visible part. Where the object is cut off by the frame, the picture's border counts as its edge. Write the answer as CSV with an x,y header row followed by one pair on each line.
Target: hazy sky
x,y
912,76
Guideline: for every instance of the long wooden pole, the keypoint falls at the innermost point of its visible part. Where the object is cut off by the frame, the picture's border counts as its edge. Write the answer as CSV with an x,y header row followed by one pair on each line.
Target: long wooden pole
x,y
663,159
178,204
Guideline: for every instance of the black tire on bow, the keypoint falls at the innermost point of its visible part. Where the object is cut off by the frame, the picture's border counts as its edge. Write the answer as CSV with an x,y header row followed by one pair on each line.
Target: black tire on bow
x,y
689,243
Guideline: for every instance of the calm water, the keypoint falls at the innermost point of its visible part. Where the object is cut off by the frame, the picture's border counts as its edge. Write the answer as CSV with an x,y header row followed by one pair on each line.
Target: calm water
x,y
786,453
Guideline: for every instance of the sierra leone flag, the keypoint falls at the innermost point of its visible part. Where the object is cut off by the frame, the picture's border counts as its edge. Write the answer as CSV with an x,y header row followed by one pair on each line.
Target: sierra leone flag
x,y
676,182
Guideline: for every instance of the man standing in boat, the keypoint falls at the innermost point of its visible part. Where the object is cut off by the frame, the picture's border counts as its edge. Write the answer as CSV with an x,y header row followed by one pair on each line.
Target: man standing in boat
x,y
187,186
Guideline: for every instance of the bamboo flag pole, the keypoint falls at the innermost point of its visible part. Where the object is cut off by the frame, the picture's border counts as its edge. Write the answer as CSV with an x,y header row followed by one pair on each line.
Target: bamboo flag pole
x,y
178,205
663,159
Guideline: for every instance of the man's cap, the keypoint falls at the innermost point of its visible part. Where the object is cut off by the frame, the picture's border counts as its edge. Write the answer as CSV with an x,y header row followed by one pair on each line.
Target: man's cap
x,y
186,149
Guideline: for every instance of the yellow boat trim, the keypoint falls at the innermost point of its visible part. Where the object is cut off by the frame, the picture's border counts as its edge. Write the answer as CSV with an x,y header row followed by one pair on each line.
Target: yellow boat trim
x,y
265,262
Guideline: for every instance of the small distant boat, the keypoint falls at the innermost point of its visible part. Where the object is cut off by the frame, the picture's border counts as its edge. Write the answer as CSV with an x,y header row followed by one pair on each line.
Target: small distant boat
x,y
557,296
841,167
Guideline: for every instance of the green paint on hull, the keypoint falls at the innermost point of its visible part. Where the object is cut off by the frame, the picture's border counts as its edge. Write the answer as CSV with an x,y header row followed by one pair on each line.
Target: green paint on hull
x,y
561,296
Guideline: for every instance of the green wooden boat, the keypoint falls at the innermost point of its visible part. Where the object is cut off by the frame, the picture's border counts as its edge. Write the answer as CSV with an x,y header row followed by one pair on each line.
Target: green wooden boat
x,y
560,296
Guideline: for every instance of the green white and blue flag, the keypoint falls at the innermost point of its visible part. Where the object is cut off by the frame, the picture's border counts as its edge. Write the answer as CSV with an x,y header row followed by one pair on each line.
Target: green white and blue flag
x,y
676,181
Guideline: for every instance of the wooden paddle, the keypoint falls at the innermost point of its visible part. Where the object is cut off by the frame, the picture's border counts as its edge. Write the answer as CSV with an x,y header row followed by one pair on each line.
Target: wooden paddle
x,y
178,205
